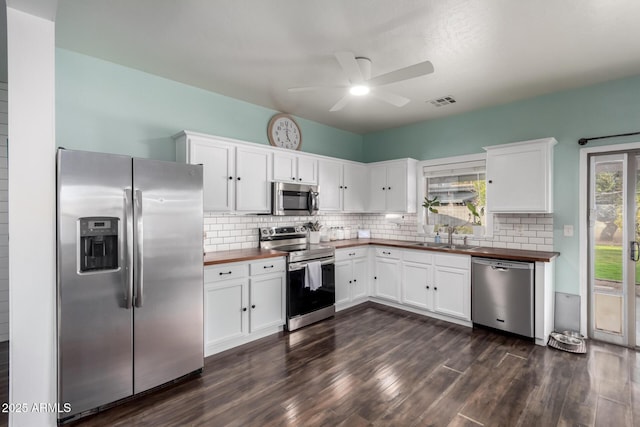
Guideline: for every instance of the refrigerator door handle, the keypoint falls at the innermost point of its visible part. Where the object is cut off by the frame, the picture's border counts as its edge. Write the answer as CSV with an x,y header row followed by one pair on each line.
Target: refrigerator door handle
x,y
139,251
128,246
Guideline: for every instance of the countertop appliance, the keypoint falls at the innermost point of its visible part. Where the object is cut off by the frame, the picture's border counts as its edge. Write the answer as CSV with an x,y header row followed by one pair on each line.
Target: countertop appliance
x,y
503,295
294,199
304,306
130,274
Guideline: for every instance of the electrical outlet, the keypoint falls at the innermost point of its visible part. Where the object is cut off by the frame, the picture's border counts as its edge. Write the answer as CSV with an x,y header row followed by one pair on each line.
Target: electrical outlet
x,y
568,231
518,228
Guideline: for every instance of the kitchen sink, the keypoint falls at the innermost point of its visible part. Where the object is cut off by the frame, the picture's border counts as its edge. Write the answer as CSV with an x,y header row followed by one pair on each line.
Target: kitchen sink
x,y
447,246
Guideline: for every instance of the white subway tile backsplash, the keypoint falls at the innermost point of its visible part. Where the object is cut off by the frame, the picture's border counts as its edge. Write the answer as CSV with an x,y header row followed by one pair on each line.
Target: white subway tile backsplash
x,y
225,232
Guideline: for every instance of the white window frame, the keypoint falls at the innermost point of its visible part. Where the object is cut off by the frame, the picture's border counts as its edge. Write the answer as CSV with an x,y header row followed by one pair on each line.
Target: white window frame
x,y
455,162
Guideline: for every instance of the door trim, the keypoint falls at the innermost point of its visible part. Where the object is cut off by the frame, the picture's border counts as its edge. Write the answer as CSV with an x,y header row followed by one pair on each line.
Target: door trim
x,y
583,224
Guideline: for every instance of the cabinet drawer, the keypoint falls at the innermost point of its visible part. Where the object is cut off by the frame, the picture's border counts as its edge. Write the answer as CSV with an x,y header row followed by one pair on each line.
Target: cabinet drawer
x,y
388,253
271,265
351,253
422,257
455,261
225,272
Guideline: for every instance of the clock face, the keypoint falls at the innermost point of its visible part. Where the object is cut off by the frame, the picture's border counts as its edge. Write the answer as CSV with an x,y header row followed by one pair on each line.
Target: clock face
x,y
284,132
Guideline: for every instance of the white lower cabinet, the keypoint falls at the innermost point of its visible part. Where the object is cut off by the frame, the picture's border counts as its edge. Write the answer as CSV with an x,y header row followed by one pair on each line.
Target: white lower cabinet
x,y
438,283
386,282
243,301
351,277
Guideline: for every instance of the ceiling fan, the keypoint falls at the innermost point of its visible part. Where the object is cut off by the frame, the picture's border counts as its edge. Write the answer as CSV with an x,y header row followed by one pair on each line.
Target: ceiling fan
x,y
358,70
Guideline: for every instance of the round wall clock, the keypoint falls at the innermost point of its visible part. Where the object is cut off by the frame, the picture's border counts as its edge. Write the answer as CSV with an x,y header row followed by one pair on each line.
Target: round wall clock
x,y
284,132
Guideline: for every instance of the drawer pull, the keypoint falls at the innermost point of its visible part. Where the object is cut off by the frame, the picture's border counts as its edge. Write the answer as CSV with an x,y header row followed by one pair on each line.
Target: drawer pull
x,y
500,320
267,266
352,254
386,253
228,272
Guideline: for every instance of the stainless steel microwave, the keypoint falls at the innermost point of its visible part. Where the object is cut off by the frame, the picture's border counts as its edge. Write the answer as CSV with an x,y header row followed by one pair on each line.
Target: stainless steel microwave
x,y
294,199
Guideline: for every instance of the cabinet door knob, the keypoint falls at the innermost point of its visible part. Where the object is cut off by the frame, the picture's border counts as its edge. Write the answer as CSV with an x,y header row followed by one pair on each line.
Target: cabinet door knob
x,y
435,289
293,178
427,287
490,181
230,177
299,179
355,280
383,188
375,277
253,306
238,178
388,188
244,308
345,187
349,281
341,186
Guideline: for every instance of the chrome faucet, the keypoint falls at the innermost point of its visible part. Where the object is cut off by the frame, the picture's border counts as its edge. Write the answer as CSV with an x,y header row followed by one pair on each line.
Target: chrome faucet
x,y
450,231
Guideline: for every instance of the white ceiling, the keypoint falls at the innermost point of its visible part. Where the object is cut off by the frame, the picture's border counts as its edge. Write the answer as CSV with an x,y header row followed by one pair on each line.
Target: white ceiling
x,y
484,52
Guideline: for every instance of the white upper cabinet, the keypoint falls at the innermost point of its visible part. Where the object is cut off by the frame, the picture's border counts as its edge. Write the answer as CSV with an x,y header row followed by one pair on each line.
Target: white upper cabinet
x,y
392,186
235,177
294,168
520,177
330,185
253,191
342,186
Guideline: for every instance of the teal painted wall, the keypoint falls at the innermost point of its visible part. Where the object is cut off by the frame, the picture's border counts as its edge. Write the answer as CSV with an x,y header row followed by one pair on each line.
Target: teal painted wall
x,y
102,106
603,109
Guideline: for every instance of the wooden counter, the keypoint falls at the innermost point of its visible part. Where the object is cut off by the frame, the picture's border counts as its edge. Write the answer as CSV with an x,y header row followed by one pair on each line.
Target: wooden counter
x,y
222,257
212,258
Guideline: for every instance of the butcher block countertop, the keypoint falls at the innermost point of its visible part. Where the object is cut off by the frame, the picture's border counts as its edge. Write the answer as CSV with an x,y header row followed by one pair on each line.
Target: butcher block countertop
x,y
222,257
485,252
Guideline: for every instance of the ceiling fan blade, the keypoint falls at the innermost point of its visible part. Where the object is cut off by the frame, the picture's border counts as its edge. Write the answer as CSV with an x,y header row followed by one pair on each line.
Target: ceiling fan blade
x,y
393,99
406,73
347,61
313,88
341,103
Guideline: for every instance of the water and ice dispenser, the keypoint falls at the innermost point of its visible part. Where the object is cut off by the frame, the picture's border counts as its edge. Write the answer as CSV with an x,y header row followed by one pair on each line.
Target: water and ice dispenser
x,y
98,243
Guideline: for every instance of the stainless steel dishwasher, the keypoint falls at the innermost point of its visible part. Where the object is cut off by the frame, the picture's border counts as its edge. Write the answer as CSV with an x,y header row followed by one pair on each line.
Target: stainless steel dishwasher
x,y
503,295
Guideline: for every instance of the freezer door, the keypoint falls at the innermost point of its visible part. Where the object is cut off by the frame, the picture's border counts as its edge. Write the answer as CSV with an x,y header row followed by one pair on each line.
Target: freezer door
x,y
168,313
94,322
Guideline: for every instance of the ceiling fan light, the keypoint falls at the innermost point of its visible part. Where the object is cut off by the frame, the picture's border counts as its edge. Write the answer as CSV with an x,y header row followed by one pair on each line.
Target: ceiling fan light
x,y
359,90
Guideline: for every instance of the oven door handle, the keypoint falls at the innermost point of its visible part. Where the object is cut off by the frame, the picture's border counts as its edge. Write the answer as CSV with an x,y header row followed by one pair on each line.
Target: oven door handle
x,y
295,266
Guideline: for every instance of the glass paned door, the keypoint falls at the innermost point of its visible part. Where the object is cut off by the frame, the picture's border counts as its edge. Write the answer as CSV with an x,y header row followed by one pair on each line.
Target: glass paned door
x,y
613,237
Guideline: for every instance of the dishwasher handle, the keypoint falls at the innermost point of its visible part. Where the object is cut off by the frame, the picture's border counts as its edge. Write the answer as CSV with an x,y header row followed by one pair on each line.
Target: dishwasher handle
x,y
502,265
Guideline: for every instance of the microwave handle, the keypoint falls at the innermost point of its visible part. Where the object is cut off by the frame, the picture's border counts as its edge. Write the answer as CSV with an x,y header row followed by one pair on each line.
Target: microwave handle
x,y
312,201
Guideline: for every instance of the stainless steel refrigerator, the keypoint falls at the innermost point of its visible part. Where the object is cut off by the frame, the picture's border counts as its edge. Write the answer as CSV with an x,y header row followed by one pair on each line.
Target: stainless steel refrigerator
x,y
130,276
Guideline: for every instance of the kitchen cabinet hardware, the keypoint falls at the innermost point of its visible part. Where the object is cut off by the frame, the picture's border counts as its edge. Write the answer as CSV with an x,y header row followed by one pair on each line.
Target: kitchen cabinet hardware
x,y
231,178
435,288
490,181
253,306
293,178
341,187
383,188
244,308
355,280
228,272
350,281
345,187
268,266
386,253
375,277
427,287
238,178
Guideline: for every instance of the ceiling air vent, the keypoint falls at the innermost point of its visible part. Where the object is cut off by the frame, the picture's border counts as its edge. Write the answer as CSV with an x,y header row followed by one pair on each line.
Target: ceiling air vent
x,y
441,102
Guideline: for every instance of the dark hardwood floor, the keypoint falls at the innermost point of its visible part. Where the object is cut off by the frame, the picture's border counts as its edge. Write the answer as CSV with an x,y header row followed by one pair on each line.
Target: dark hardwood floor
x,y
376,366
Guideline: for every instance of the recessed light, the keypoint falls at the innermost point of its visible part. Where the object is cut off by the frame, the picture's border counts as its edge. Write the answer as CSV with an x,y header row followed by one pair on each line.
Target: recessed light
x,y
359,90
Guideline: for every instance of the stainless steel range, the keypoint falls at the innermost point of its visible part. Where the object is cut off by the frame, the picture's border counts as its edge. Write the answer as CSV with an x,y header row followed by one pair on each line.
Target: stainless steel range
x,y
304,305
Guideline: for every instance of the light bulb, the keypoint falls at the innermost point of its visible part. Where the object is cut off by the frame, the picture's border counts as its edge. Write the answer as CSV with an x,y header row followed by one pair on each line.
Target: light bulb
x,y
359,90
